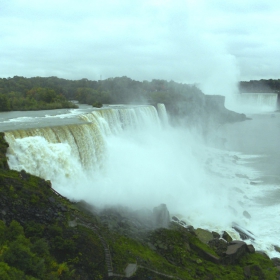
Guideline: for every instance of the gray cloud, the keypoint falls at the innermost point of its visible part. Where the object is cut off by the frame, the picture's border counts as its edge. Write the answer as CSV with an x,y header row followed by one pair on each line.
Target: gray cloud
x,y
186,41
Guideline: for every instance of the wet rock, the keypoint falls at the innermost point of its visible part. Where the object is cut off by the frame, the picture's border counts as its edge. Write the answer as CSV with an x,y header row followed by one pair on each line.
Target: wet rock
x,y
247,271
23,175
204,254
246,214
253,183
62,208
215,234
235,250
204,235
191,229
251,248
51,199
277,248
161,216
219,246
174,218
243,233
276,261
182,223
226,237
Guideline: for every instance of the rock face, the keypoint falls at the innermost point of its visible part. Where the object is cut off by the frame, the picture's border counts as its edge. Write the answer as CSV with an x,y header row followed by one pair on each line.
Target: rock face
x,y
244,234
204,235
235,251
219,245
226,237
161,216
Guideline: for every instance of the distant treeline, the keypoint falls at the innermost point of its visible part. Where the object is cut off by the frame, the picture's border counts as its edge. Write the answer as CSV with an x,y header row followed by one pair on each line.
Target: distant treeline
x,y
260,86
19,93
37,93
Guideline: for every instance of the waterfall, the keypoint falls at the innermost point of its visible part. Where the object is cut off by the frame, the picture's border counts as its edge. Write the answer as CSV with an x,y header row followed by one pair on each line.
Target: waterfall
x,y
255,102
130,156
39,150
114,121
162,113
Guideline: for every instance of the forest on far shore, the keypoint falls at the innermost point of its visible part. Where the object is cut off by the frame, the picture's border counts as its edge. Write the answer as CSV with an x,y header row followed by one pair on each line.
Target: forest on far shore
x,y
19,93
43,93
260,86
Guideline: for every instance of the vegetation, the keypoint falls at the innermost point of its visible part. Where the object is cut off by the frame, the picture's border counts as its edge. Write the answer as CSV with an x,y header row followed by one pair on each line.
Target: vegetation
x,y
19,93
37,98
261,86
97,104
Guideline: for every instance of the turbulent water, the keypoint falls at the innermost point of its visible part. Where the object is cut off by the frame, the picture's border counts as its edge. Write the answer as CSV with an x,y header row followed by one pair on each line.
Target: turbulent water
x,y
131,156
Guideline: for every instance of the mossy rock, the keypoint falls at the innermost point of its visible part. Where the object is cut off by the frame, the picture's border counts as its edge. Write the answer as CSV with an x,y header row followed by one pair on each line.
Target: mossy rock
x,y
204,235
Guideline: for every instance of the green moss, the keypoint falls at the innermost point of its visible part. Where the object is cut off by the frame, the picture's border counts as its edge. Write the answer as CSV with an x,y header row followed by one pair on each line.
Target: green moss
x,y
195,241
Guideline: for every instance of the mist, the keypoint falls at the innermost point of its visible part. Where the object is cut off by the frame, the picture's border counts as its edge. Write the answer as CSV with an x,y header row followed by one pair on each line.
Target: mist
x,y
141,167
127,158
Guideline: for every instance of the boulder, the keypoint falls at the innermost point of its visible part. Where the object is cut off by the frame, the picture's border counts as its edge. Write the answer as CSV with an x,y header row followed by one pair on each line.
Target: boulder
x,y
235,250
244,234
174,218
161,216
226,237
254,272
204,235
251,248
216,234
219,246
276,261
204,253
277,248
246,214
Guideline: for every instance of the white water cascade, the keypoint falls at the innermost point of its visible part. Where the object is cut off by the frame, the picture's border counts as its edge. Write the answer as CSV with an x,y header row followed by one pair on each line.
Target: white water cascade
x,y
254,102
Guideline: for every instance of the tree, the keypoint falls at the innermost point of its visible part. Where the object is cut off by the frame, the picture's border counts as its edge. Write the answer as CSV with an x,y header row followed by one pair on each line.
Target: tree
x,y
4,103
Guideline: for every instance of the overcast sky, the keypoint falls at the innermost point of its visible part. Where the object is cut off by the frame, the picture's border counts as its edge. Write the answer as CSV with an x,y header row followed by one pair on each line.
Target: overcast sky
x,y
193,41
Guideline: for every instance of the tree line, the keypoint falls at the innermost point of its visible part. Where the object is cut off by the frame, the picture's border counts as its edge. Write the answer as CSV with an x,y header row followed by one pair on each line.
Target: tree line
x,y
37,93
260,86
34,98
20,93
